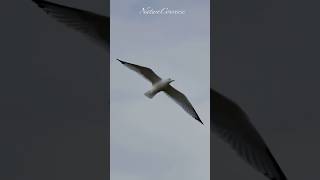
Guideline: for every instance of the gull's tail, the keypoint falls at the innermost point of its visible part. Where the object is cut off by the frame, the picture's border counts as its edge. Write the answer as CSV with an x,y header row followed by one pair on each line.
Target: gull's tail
x,y
150,94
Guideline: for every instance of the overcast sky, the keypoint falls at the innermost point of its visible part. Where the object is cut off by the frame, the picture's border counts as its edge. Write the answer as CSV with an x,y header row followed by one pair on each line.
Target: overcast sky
x,y
156,139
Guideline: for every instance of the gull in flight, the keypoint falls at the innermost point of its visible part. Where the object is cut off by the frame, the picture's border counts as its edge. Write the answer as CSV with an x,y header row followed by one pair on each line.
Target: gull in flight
x,y
228,120
159,85
232,124
94,26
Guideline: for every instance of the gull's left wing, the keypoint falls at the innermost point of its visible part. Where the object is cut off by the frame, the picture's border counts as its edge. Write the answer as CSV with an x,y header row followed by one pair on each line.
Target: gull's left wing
x,y
144,71
93,25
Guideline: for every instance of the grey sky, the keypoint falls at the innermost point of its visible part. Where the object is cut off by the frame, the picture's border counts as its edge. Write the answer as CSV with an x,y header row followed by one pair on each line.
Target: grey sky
x,y
156,139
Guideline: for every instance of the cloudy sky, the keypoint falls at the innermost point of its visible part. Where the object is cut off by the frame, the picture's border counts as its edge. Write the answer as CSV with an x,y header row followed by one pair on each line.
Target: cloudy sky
x,y
156,139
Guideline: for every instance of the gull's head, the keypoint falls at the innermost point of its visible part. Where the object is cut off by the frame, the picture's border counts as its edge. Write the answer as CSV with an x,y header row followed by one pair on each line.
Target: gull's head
x,y
170,80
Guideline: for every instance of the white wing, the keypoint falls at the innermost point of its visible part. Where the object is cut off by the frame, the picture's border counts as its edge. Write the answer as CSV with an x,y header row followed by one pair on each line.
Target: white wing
x,y
232,125
93,25
182,100
144,71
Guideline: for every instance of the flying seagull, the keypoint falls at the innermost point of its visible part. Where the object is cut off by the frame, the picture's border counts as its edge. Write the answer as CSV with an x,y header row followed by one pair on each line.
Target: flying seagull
x,y
232,124
92,25
159,85
228,120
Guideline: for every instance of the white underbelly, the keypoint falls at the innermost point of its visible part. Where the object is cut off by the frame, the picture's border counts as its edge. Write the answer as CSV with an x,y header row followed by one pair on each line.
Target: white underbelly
x,y
160,86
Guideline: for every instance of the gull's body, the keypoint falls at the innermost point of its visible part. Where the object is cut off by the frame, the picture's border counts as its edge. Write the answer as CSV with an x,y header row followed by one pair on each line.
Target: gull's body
x,y
232,124
159,85
228,120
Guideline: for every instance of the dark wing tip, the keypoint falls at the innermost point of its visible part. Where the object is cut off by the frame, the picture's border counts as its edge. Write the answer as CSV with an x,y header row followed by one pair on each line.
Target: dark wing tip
x,y
282,176
45,4
198,118
122,62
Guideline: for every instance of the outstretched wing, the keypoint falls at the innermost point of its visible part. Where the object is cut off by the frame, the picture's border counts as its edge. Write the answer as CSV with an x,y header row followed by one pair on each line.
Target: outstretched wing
x,y
144,71
183,101
233,126
92,25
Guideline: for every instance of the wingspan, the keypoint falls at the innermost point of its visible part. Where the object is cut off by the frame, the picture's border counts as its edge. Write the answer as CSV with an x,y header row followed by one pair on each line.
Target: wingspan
x,y
144,71
183,101
93,25
233,126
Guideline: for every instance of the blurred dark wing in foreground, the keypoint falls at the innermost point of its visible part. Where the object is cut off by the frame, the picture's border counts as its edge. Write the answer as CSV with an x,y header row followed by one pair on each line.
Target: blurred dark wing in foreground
x,y
93,25
232,124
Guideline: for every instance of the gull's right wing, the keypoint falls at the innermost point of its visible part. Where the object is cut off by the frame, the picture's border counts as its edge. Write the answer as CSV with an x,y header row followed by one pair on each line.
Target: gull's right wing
x,y
232,124
182,101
